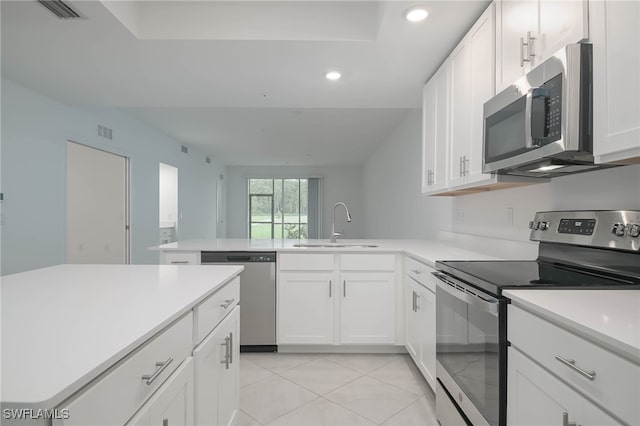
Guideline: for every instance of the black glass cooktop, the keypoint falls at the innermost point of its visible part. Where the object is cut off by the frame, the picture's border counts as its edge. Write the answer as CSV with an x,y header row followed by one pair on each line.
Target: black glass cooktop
x,y
495,276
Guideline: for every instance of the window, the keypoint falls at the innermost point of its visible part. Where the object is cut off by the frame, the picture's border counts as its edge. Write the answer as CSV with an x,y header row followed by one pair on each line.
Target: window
x,y
279,208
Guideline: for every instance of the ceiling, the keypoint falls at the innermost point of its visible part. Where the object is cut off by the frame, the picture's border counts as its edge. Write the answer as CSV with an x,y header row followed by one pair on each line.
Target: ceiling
x,y
242,80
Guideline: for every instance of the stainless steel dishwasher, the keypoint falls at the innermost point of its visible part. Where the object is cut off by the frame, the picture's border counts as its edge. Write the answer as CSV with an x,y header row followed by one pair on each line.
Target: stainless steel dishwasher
x,y
257,296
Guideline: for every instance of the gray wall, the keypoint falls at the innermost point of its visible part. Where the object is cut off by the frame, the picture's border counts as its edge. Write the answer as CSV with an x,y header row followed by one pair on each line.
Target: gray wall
x,y
35,130
395,207
338,184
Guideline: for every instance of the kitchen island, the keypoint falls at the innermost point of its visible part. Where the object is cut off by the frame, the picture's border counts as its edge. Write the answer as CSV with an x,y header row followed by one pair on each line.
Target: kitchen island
x,y
76,334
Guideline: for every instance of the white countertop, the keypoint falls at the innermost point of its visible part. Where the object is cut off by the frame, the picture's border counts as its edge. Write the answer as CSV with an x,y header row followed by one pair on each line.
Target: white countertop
x,y
64,325
611,317
428,251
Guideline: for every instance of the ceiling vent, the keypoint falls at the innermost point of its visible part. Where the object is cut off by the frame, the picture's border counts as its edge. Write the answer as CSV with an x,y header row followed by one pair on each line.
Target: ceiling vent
x,y
59,8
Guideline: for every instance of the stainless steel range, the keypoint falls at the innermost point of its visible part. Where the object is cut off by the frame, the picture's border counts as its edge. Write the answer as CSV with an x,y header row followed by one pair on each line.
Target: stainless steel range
x,y
578,249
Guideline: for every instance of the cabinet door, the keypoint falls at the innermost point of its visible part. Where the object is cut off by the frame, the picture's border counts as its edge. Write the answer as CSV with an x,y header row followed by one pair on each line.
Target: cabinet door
x,y
435,131
229,377
306,307
561,23
426,306
514,19
615,35
216,382
367,302
172,404
482,70
535,396
460,111
412,318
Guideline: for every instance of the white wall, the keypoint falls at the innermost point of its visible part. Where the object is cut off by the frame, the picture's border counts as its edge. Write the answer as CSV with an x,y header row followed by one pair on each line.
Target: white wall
x,y
35,130
394,206
338,184
486,214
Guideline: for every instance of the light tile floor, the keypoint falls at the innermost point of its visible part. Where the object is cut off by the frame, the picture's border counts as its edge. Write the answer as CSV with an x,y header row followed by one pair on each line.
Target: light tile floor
x,y
333,390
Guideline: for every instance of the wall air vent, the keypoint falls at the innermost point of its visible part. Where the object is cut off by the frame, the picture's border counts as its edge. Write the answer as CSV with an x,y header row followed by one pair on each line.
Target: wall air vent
x,y
59,8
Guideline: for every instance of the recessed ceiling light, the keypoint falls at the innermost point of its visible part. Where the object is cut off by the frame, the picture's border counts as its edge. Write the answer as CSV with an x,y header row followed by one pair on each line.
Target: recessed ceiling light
x,y
416,14
333,75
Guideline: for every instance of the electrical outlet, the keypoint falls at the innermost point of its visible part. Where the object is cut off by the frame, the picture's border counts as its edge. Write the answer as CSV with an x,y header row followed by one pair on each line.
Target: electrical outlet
x,y
208,160
460,215
185,149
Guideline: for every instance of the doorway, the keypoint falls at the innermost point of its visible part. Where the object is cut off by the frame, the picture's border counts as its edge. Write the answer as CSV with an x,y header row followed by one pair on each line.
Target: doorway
x,y
97,206
168,209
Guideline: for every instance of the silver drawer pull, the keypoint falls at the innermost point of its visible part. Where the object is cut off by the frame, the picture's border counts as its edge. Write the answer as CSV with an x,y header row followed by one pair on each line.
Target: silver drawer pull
x,y
416,271
565,420
161,366
571,363
231,348
179,262
227,303
227,344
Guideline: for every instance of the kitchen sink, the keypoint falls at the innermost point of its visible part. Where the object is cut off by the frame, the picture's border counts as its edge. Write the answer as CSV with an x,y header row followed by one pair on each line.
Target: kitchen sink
x,y
335,245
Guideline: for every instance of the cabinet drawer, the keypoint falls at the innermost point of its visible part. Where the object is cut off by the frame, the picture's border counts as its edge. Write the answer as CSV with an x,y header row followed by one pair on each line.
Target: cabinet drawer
x,y
616,384
182,258
116,396
420,272
210,312
367,262
305,262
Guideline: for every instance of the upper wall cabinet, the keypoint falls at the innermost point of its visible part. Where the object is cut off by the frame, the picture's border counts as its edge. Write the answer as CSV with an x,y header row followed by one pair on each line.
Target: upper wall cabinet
x,y
615,34
530,31
435,128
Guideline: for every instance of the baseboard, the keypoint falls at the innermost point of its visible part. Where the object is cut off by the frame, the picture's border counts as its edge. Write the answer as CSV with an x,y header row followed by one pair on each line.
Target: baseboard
x,y
343,349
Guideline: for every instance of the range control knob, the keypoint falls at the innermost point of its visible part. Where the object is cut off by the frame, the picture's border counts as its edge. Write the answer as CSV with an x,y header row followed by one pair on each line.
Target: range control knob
x,y
543,226
618,229
633,230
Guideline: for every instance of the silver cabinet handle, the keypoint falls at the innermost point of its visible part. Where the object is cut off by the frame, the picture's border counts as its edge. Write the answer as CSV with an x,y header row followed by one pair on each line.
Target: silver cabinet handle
x,y
161,366
413,301
329,288
565,420
344,288
529,45
231,348
417,298
226,360
465,164
460,167
416,271
179,262
227,303
571,363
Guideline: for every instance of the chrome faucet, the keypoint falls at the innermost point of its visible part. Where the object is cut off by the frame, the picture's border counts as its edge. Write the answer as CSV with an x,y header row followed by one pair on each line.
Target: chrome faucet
x,y
334,234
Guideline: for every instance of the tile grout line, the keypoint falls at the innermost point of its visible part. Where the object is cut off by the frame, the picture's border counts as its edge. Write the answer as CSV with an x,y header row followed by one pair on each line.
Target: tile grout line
x,y
251,417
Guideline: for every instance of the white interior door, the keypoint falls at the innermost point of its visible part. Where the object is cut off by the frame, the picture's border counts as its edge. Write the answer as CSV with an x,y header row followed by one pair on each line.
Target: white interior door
x,y
96,206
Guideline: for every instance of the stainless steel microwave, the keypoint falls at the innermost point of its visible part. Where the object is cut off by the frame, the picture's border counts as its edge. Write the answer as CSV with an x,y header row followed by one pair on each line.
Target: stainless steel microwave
x,y
540,126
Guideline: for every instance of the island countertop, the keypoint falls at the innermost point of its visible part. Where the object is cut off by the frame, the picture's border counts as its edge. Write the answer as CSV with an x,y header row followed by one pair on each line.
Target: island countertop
x,y
64,325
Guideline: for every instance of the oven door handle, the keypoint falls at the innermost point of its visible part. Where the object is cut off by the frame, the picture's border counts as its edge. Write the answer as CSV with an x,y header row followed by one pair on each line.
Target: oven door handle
x,y
466,294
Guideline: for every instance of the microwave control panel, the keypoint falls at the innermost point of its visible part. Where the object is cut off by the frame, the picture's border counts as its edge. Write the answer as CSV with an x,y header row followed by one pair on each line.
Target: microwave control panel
x,y
546,112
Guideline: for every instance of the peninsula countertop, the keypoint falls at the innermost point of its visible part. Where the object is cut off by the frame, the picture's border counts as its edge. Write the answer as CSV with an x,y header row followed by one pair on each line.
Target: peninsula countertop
x,y
427,251
64,325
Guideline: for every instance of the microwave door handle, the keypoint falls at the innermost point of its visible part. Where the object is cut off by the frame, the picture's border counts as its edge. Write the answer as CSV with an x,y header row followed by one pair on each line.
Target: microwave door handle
x,y
528,140
488,306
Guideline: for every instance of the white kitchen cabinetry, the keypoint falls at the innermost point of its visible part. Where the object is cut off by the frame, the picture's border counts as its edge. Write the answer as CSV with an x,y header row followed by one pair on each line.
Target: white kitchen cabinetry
x,y
172,404
570,374
615,34
536,397
472,84
306,307
352,303
435,128
529,32
367,307
217,368
180,258
420,307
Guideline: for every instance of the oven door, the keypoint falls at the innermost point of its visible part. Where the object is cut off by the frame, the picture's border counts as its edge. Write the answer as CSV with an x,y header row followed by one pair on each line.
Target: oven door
x,y
471,349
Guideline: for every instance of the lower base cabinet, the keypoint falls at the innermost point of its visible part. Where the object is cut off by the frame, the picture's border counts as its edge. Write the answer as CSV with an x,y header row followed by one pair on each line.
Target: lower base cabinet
x,y
217,369
172,404
536,397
